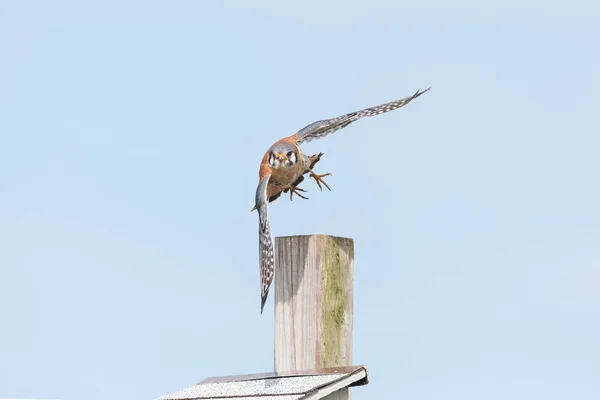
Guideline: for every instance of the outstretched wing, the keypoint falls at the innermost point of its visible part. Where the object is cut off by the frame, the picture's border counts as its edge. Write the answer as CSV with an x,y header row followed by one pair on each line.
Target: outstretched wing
x,y
265,241
322,128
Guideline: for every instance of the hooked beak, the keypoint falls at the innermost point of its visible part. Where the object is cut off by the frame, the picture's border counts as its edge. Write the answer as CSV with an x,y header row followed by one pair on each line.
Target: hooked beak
x,y
281,157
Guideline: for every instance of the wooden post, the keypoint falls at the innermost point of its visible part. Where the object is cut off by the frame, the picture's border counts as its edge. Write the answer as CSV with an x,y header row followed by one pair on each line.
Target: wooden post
x,y
314,290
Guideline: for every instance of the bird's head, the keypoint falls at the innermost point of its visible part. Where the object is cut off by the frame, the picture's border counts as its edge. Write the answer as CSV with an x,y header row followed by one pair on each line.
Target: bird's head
x,y
282,155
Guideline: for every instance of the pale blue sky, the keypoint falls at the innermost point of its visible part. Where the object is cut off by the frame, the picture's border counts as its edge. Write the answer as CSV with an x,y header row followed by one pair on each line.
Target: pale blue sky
x,y
130,137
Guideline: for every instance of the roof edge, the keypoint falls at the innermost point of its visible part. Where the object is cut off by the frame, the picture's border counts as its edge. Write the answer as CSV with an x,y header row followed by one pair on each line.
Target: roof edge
x,y
346,381
287,374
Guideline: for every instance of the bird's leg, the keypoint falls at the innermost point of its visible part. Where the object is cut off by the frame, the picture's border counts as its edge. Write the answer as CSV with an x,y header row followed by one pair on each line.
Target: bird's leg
x,y
319,179
314,159
295,189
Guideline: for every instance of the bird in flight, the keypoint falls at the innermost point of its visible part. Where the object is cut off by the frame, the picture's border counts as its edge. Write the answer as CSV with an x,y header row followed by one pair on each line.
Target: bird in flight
x,y
283,168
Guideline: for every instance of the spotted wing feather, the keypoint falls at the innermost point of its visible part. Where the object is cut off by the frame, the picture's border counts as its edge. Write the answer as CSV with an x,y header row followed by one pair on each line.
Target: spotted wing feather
x,y
265,240
322,128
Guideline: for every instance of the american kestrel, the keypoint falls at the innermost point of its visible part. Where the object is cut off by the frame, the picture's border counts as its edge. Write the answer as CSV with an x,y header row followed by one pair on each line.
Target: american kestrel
x,y
283,168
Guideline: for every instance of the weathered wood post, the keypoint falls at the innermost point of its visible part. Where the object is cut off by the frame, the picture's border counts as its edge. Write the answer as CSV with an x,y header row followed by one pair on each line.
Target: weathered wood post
x,y
314,291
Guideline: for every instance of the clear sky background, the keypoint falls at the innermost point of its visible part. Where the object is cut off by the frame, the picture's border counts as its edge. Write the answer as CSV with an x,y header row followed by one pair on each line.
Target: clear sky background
x,y
130,139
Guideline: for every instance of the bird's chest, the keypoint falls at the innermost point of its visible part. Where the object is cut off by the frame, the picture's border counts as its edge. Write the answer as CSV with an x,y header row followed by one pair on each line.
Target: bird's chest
x,y
284,177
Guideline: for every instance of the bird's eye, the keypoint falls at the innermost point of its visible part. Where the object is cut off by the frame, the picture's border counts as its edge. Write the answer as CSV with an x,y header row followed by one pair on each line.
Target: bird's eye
x,y
289,154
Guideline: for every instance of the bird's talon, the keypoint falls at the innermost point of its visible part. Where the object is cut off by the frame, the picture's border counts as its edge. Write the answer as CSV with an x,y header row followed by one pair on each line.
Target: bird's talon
x,y
319,179
295,190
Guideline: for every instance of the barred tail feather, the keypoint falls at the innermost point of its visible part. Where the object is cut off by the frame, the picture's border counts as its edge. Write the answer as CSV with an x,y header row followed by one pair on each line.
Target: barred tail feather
x,y
265,239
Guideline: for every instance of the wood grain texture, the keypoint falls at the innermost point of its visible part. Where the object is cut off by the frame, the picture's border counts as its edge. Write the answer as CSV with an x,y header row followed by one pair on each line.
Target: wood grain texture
x,y
314,291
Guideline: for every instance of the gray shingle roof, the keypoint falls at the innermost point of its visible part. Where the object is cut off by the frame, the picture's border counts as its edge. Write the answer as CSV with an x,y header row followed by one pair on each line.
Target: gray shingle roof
x,y
313,384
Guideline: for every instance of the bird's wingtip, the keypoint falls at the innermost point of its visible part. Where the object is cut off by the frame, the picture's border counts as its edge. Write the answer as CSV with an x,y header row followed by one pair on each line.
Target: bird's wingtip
x,y
420,92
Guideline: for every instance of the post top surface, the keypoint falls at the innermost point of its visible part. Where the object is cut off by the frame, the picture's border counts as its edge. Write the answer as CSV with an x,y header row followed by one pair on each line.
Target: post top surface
x,y
315,235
